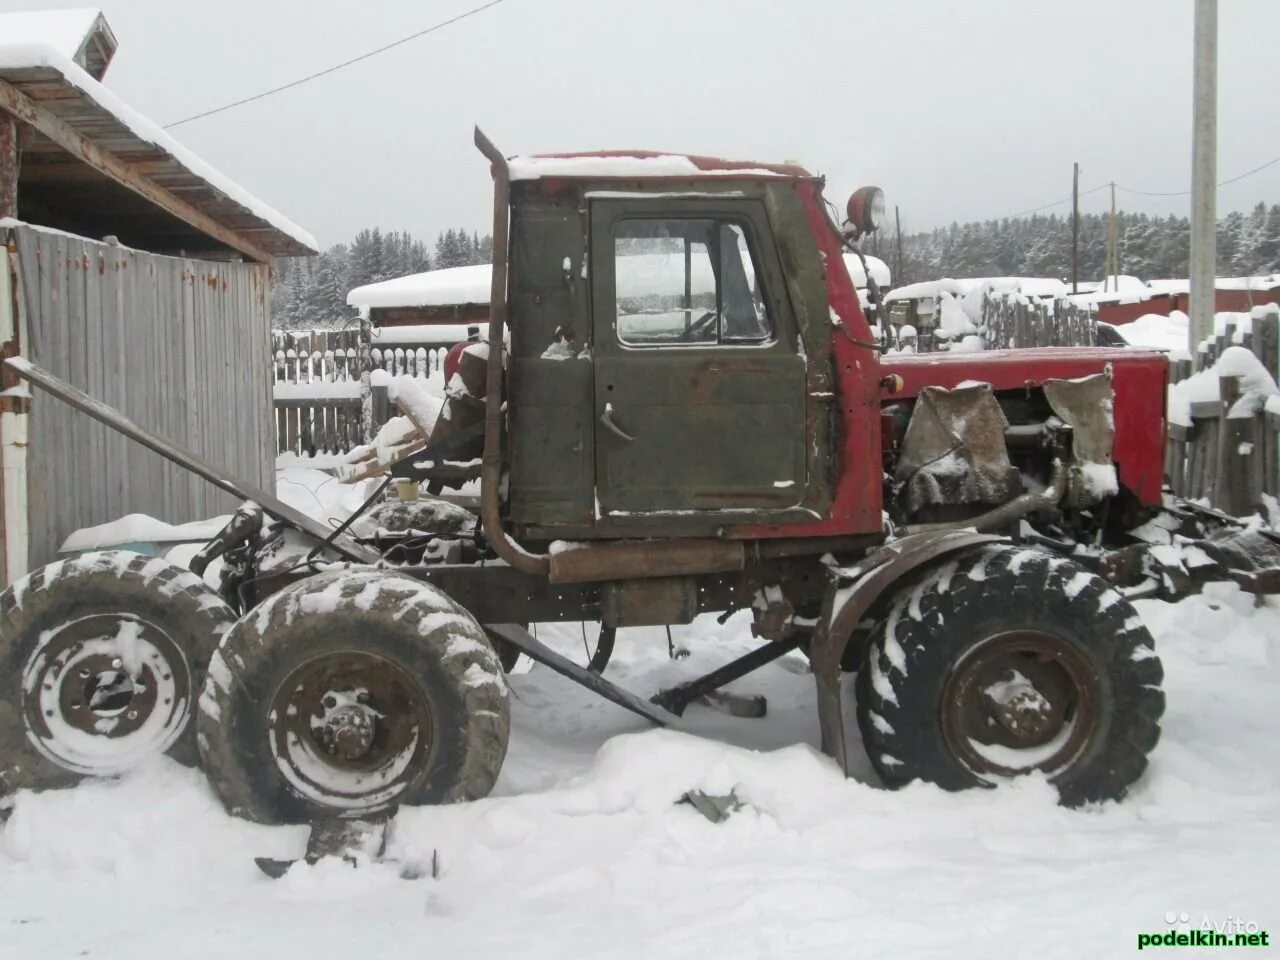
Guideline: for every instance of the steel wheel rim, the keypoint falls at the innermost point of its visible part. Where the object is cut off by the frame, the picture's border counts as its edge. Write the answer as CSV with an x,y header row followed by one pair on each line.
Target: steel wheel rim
x,y
103,693
350,729
1021,701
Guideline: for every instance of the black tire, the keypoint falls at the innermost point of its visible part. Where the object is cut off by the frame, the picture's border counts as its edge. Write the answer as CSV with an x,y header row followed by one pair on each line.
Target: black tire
x,y
1093,700
433,697
71,705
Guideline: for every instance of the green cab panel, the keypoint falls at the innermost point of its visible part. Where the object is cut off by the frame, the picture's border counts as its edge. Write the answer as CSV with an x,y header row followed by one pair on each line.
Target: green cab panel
x,y
700,384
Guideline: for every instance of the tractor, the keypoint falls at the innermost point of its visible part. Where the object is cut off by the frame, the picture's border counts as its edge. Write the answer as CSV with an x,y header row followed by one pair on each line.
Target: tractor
x,y
680,409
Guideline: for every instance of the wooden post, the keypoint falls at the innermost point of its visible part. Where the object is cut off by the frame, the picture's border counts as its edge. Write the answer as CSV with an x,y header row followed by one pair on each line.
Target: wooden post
x,y
1266,347
1233,491
8,165
381,406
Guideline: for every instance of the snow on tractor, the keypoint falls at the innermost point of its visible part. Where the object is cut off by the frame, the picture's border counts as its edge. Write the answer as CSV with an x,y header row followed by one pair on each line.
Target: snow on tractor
x,y
681,409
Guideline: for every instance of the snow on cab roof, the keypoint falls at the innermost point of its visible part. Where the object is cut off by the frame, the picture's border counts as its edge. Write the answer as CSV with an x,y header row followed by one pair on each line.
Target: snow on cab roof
x,y
40,49
642,164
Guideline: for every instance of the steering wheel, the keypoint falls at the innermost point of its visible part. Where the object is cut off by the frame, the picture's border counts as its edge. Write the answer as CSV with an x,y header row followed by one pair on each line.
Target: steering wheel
x,y
703,325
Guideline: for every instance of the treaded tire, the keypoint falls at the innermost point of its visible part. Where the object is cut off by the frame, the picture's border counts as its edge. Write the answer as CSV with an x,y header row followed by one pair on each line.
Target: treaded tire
x,y
934,623
428,641
39,609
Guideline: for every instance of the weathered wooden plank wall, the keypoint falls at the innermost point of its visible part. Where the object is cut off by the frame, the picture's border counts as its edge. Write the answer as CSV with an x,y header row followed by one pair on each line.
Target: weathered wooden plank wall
x,y
181,346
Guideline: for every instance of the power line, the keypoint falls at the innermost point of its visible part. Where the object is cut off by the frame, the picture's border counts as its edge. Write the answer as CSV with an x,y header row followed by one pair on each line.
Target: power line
x,y
1055,203
1143,193
337,66
1183,193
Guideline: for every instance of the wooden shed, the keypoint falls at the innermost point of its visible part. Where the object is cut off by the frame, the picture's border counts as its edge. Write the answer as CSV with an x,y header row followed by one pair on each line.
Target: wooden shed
x,y
137,272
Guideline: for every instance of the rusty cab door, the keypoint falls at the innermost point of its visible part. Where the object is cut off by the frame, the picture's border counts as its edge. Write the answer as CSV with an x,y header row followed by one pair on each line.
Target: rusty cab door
x,y
699,378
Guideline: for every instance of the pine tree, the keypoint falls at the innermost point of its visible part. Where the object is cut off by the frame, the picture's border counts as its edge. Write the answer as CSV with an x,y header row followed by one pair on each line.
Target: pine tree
x,y
1267,250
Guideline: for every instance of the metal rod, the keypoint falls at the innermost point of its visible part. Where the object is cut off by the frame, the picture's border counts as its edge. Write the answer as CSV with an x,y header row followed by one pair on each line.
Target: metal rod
x,y
113,418
519,637
677,698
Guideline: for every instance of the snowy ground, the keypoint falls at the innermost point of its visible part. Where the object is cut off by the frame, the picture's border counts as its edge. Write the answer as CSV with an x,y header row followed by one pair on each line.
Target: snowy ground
x,y
584,852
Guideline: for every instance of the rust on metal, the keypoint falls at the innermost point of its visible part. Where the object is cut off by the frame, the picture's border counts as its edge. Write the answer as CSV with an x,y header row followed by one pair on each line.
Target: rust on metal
x,y
644,559
1023,690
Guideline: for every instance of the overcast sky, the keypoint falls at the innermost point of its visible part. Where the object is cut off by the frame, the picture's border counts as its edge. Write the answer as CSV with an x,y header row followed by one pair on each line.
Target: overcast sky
x,y
959,110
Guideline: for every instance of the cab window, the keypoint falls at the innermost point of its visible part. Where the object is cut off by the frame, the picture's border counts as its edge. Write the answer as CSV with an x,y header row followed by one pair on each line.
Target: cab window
x,y
687,282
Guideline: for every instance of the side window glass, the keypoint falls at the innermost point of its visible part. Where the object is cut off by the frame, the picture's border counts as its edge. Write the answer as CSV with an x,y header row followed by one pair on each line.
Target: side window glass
x,y
686,282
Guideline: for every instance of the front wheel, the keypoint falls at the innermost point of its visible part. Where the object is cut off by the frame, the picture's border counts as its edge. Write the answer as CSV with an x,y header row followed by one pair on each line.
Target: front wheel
x,y
1008,661
350,693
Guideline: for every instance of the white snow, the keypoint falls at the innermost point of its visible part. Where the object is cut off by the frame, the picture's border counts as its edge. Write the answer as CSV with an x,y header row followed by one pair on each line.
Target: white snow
x,y
879,271
1036,287
416,398
140,528
588,853
317,390
63,30
434,288
1256,386
1157,332
21,49
615,167
449,333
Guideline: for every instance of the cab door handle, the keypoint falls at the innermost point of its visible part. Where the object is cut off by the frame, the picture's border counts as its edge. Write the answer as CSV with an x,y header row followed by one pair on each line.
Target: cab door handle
x,y
607,419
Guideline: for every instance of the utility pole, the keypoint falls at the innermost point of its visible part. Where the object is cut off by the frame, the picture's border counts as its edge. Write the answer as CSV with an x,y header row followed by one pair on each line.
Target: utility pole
x,y
1113,245
1204,173
1075,227
897,232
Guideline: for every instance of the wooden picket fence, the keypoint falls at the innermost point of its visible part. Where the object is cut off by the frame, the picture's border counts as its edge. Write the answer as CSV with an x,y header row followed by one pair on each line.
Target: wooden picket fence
x,y
1229,461
1009,322
320,382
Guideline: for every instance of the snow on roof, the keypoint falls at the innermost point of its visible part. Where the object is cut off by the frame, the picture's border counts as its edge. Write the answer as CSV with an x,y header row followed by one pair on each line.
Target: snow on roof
x,y
1263,282
640,165
435,288
1116,289
42,42
64,30
1026,286
1155,331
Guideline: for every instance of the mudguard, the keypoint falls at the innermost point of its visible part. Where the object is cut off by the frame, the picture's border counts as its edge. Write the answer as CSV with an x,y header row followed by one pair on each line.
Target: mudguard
x,y
850,595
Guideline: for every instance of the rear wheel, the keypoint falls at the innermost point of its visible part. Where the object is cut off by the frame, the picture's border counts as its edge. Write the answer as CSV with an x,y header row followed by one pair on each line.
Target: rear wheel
x,y
1009,661
100,659
350,693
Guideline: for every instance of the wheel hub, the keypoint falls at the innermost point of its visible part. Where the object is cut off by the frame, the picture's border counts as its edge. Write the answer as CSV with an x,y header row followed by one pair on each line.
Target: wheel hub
x,y
349,732
102,692
1020,701
349,729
